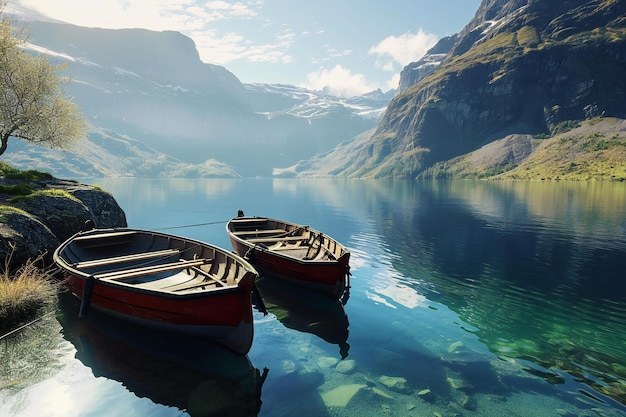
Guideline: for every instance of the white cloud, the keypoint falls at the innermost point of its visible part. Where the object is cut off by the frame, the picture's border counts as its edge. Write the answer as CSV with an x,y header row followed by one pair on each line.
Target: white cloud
x,y
339,81
395,52
223,49
393,83
223,10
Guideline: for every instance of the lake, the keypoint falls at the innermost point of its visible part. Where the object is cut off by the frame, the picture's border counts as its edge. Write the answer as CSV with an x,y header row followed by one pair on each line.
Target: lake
x,y
467,299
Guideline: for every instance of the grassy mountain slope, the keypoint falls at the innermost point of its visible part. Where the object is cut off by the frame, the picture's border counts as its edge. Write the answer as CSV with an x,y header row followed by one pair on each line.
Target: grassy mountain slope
x,y
592,150
520,69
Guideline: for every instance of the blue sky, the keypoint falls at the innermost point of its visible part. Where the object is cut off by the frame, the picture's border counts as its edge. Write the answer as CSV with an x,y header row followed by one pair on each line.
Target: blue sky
x,y
345,47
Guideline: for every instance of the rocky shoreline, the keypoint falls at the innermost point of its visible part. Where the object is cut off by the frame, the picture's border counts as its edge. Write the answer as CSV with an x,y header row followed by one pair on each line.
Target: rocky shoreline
x,y
36,223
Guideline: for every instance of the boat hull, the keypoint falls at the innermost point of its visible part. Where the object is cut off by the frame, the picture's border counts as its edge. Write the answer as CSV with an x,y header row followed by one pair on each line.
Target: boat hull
x,y
221,314
327,276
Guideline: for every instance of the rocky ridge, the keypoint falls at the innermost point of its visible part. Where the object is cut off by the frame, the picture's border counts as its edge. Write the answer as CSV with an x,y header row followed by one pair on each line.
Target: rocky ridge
x,y
520,67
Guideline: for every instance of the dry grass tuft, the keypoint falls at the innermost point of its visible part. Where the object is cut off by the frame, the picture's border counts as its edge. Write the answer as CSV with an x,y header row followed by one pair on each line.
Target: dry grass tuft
x,y
24,293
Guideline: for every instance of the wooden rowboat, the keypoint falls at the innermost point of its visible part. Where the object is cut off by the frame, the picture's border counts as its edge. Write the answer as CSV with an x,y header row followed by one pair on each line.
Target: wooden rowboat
x,y
163,282
292,252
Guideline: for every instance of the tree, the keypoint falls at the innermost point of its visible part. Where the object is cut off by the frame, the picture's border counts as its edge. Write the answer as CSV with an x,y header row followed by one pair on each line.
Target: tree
x,y
32,102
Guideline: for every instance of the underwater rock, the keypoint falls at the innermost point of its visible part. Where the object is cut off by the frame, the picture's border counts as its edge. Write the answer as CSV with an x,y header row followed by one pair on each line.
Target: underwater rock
x,y
287,366
458,352
395,383
326,362
382,393
346,367
427,395
341,396
454,346
468,403
457,382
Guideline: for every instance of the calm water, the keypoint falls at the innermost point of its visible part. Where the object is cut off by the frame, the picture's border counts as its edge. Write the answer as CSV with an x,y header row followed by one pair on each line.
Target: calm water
x,y
467,299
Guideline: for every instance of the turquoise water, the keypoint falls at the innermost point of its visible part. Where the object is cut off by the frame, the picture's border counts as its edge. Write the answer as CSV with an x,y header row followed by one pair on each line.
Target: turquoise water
x,y
467,299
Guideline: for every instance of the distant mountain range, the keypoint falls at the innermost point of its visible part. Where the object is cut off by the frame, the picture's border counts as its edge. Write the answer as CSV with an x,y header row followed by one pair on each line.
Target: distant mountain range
x,y
529,89
155,109
493,99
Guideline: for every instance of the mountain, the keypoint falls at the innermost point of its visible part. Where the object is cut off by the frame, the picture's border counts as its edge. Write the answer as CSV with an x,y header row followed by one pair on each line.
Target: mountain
x,y
155,109
523,70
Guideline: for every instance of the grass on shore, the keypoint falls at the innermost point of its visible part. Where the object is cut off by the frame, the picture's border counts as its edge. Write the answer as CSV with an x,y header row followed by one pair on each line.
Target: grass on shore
x,y
25,294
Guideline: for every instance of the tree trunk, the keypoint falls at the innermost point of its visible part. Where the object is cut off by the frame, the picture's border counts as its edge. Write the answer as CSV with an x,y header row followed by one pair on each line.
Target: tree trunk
x,y
4,143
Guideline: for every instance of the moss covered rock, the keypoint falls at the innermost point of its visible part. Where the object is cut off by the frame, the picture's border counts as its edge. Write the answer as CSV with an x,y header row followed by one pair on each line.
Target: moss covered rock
x,y
49,212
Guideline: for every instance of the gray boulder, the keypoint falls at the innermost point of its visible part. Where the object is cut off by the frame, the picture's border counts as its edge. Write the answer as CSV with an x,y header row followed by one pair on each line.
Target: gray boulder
x,y
35,224
22,236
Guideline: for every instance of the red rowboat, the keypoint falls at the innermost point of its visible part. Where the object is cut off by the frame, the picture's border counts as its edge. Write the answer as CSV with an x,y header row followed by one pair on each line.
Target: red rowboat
x,y
162,281
292,252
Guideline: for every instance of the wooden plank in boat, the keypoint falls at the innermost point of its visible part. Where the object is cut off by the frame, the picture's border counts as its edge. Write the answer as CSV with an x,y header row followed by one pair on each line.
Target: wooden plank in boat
x,y
127,258
249,220
146,270
276,239
195,285
104,239
259,232
105,235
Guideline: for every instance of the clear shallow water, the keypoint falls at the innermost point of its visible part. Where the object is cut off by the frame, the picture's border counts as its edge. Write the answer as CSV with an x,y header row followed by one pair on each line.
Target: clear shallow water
x,y
473,299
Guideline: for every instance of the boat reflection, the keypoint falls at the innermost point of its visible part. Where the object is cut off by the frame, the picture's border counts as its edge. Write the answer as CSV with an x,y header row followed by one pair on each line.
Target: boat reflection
x,y
191,374
306,311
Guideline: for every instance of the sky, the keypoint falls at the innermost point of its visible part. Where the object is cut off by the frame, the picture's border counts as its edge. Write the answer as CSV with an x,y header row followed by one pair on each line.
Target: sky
x,y
342,47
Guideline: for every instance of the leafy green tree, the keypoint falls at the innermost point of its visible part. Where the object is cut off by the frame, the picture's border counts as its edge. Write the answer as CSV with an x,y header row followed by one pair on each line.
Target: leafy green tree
x,y
32,102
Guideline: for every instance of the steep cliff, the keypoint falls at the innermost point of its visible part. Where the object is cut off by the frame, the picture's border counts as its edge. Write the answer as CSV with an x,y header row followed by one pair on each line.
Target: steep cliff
x,y
519,67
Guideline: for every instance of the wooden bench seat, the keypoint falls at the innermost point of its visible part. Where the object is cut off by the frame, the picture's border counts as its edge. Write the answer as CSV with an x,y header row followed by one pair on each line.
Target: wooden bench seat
x,y
245,220
277,239
147,270
259,232
127,258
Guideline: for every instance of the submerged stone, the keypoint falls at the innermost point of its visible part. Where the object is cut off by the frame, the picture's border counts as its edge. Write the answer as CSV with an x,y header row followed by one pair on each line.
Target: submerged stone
x,y
457,382
326,362
346,367
380,392
395,383
454,346
341,396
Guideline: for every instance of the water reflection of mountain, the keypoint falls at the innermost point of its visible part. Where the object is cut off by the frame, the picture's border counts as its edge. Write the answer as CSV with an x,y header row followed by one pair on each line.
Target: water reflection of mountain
x,y
306,311
199,377
537,268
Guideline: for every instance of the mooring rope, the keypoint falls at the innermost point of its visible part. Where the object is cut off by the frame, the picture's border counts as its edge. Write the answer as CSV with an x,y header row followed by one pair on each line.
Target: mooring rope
x,y
27,324
192,225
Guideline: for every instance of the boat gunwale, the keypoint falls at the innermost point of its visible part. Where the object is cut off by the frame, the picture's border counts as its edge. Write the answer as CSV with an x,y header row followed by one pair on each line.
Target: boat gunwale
x,y
112,282
232,234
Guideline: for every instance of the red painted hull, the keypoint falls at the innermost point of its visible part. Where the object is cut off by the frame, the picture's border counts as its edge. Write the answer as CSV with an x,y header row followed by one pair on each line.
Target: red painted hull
x,y
222,314
329,277
225,318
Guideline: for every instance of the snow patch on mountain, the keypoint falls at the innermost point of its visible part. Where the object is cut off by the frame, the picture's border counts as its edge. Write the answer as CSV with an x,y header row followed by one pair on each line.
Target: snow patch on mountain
x,y
311,104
